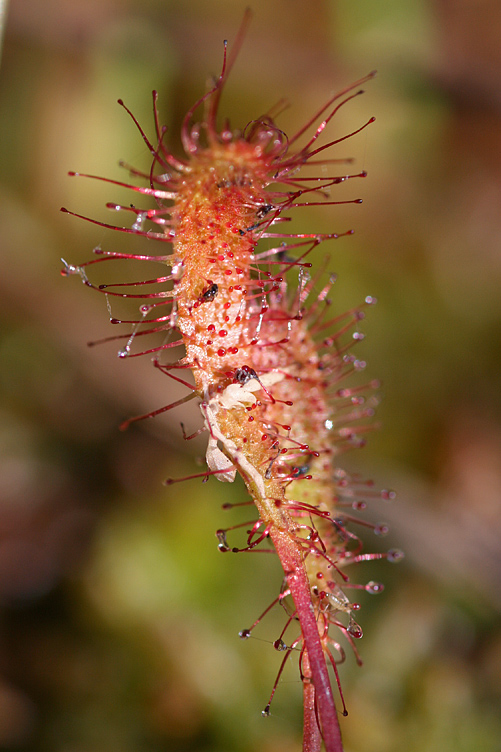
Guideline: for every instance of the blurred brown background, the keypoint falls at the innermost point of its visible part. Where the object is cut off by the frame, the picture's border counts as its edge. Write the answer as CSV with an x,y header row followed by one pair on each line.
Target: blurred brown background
x,y
119,617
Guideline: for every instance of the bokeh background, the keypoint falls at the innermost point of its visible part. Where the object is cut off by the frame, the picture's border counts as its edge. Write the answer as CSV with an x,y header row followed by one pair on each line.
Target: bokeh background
x,y
119,616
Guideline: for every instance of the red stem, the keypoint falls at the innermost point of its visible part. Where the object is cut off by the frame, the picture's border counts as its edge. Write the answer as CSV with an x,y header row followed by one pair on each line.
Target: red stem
x,y
298,583
312,739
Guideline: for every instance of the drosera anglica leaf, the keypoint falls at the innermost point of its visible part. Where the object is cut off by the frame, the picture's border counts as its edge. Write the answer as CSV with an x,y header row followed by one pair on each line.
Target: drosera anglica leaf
x,y
272,367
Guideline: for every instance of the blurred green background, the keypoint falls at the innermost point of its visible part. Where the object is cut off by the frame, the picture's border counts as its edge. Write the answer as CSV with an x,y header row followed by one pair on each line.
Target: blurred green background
x,y
119,616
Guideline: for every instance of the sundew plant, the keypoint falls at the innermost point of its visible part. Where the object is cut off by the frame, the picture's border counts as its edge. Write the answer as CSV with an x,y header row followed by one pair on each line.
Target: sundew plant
x,y
244,321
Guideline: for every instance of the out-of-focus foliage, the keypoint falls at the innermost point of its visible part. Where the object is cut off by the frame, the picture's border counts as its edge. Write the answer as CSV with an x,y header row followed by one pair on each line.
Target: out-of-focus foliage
x,y
120,618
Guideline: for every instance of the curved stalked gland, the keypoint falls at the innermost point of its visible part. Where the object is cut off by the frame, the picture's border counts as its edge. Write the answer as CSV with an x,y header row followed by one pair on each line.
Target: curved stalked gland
x,y
271,370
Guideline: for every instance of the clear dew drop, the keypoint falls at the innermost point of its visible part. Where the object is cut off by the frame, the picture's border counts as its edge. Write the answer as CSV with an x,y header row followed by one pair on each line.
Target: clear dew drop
x,y
244,634
266,712
381,530
222,542
328,424
359,506
354,629
387,494
374,588
395,555
138,224
280,645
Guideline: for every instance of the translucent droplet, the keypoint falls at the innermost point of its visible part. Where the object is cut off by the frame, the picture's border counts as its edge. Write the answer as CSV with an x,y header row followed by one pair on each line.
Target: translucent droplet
x,y
354,629
280,645
123,353
223,543
381,529
266,711
328,424
370,300
387,494
395,555
374,588
244,634
138,224
359,506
